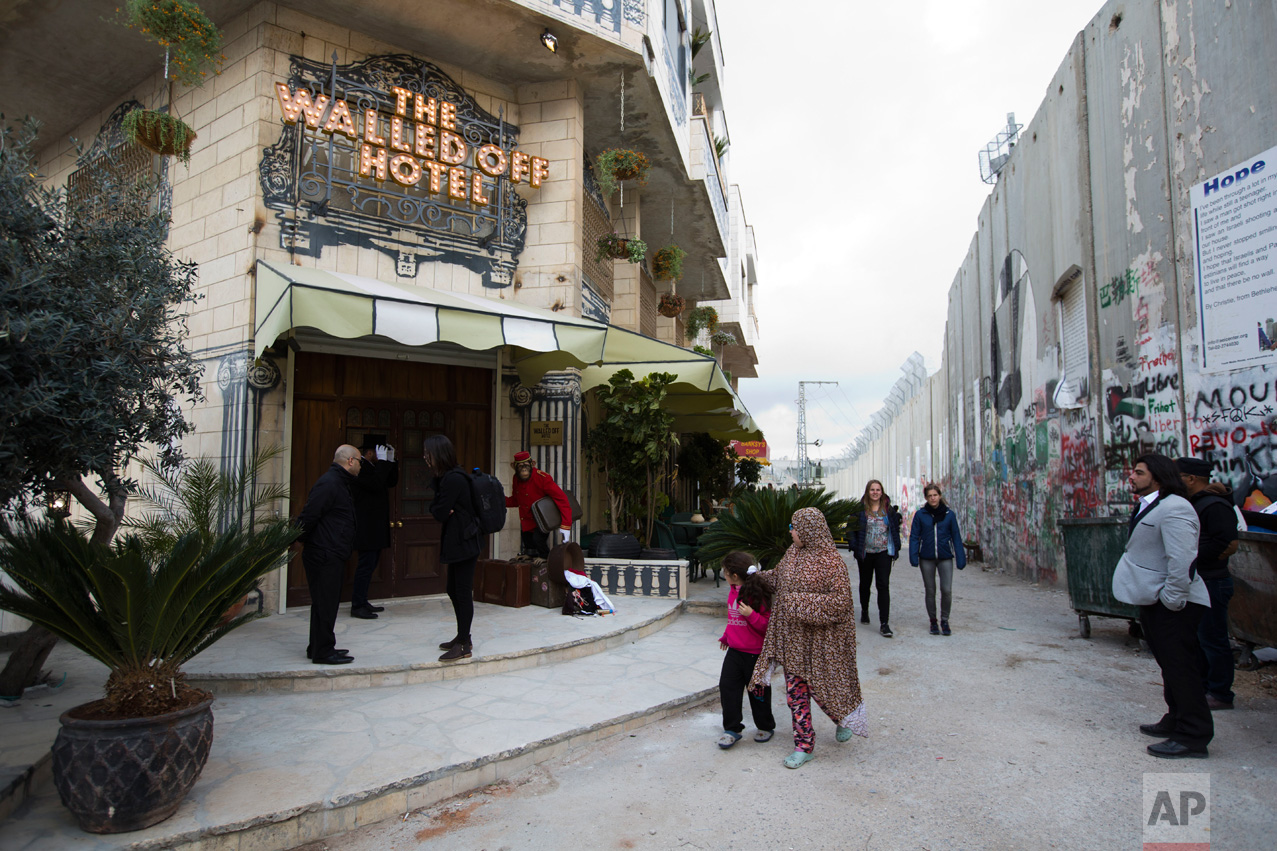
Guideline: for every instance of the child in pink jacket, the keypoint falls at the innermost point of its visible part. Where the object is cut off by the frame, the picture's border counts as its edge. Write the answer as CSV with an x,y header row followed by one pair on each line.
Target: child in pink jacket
x,y
748,610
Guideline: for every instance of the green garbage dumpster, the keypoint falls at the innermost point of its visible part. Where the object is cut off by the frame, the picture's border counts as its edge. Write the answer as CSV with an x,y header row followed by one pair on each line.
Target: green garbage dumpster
x,y
1092,548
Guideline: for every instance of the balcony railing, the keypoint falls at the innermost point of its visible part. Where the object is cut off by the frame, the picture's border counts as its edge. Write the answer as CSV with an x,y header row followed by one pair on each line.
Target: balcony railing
x,y
699,107
714,180
604,13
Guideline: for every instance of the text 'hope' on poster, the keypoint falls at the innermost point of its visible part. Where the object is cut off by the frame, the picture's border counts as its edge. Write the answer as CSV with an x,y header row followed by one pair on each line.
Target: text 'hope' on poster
x,y
1235,233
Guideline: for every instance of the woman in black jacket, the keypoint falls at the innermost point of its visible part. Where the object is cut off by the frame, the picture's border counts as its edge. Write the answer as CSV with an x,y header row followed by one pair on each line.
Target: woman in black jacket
x,y
876,546
459,543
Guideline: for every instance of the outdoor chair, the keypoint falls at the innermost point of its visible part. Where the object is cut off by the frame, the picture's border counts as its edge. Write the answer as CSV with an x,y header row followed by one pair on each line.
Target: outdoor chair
x,y
663,537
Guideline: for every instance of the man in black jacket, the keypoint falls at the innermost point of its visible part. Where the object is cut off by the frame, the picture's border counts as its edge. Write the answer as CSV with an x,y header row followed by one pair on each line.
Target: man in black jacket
x,y
328,535
1218,539
378,473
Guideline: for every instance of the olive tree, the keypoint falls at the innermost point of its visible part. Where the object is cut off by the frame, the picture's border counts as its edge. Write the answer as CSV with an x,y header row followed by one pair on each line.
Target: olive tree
x,y
93,364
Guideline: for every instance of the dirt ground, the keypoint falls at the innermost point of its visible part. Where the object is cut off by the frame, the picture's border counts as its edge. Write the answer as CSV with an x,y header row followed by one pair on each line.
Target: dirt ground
x,y
1014,733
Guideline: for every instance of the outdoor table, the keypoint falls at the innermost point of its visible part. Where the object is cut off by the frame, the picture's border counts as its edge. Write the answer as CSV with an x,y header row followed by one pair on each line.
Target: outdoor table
x,y
700,530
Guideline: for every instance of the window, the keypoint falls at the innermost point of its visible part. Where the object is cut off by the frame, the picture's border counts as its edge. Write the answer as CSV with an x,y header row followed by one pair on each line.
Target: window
x,y
125,163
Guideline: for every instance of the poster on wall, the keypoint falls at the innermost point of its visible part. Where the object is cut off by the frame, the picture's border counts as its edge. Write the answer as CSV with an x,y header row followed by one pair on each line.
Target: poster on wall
x,y
1235,237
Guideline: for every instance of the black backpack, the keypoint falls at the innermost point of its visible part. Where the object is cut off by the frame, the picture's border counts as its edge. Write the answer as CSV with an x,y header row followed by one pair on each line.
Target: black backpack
x,y
488,496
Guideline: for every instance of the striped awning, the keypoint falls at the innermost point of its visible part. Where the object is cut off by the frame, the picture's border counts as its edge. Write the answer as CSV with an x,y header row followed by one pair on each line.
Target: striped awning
x,y
350,306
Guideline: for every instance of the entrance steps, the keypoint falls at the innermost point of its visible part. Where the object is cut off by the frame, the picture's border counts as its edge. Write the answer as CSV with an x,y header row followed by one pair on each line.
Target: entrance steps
x,y
291,765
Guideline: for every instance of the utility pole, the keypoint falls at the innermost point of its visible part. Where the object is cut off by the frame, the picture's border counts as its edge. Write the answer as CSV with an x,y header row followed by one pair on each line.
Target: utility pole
x,y
802,430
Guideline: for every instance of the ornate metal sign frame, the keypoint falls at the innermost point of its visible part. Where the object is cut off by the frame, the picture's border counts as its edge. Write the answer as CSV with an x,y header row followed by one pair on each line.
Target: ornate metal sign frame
x,y
312,179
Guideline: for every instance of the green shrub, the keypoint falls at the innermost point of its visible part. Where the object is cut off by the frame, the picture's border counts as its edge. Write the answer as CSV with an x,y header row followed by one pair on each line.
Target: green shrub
x,y
759,523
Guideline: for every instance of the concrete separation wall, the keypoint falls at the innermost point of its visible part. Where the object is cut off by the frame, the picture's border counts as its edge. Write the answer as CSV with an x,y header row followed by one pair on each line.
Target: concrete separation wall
x,y
1074,340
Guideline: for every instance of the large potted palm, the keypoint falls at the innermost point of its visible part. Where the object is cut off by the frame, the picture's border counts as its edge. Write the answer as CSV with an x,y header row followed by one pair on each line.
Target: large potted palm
x,y
759,523
142,605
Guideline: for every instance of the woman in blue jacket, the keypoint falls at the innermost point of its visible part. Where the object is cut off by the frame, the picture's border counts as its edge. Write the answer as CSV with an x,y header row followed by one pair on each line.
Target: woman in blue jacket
x,y
876,544
935,544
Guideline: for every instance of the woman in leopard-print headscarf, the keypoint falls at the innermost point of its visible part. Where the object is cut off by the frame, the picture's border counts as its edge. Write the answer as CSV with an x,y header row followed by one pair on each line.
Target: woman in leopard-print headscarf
x,y
812,635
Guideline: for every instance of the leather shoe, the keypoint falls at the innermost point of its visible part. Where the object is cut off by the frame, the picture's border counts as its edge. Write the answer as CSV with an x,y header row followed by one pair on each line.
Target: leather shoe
x,y
1215,703
373,608
1174,750
364,614
334,659
458,651
338,651
1157,731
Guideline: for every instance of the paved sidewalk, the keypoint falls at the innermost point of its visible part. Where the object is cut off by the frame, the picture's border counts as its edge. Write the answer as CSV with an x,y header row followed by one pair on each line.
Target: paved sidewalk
x,y
289,768
269,655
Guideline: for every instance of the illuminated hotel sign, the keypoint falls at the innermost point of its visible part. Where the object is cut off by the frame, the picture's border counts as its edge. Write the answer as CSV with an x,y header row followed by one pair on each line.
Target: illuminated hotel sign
x,y
390,154
428,145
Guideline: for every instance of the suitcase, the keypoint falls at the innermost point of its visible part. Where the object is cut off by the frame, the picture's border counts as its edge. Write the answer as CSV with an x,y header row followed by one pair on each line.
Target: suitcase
x,y
502,583
545,593
546,513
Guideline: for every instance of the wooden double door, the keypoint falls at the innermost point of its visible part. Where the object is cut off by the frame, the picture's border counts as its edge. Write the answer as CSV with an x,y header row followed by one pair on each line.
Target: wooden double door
x,y
342,399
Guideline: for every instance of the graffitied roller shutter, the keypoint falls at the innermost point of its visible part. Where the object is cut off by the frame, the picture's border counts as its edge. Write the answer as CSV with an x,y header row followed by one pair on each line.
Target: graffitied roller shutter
x,y
1073,307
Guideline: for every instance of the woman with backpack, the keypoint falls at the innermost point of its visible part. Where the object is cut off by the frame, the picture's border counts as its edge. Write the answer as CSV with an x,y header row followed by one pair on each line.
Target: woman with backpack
x,y
453,506
935,545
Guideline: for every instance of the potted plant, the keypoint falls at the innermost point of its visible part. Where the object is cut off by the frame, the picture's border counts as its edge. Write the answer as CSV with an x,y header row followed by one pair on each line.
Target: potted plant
x,y
723,338
142,605
667,264
620,248
759,523
160,132
192,48
617,164
671,305
192,43
629,447
700,318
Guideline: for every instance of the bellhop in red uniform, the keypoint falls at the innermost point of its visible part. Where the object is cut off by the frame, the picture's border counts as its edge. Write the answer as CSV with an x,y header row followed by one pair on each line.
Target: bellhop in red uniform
x,y
530,484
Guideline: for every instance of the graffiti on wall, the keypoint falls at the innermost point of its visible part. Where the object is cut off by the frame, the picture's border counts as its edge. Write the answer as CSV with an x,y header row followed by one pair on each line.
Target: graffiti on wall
x,y
1141,396
1232,425
1006,338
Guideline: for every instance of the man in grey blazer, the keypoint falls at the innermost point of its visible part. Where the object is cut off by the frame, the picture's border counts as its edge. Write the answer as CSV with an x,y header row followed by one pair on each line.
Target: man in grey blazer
x,y
1155,573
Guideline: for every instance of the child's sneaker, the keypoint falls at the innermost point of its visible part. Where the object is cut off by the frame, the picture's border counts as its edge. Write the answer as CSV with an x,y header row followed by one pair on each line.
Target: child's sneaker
x,y
728,739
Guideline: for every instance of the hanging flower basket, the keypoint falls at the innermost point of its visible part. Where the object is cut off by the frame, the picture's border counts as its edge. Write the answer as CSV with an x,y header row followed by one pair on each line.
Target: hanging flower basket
x,y
671,305
160,132
180,27
667,264
723,338
617,164
698,319
620,248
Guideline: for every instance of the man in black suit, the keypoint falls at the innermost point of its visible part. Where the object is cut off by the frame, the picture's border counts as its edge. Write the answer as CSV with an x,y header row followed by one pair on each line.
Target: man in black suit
x,y
378,473
328,535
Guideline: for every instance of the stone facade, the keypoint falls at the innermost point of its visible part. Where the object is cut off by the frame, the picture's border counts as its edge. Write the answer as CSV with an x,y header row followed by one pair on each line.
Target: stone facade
x,y
226,214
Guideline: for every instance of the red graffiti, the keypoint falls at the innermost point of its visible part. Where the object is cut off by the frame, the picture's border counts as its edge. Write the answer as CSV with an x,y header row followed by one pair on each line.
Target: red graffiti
x,y
1222,439
1164,359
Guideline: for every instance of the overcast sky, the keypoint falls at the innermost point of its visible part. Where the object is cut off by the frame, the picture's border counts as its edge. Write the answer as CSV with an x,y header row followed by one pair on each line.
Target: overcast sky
x,y
889,105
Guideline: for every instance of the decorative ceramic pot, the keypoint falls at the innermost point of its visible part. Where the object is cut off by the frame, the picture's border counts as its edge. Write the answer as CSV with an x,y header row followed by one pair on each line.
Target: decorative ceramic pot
x,y
125,774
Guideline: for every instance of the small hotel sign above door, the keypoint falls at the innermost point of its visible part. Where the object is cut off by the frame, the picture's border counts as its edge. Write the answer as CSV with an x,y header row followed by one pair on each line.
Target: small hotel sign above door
x,y
547,432
389,153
